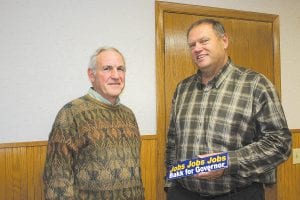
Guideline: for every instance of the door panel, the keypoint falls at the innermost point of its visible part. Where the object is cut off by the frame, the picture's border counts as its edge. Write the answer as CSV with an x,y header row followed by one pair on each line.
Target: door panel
x,y
253,43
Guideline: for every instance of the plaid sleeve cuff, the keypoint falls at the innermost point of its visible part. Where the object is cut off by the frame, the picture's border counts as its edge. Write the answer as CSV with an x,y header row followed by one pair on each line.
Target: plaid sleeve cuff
x,y
233,165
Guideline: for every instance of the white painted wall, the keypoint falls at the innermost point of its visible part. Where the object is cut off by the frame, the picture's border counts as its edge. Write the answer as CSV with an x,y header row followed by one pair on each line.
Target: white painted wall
x,y
45,47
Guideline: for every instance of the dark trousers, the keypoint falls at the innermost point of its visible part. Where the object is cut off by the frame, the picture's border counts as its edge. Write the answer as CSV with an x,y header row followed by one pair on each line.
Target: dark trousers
x,y
252,192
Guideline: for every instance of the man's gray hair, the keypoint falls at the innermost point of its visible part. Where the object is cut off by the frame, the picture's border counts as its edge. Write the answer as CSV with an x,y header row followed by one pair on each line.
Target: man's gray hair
x,y
93,59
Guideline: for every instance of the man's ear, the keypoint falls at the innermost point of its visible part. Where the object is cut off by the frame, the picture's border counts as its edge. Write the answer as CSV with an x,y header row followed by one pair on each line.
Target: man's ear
x,y
225,41
91,74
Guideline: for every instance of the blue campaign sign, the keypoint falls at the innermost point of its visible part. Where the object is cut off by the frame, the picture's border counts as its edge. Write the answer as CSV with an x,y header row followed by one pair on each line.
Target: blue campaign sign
x,y
198,165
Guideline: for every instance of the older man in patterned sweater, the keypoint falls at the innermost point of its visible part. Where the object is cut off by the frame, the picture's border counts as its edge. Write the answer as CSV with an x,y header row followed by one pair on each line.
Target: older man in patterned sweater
x,y
94,146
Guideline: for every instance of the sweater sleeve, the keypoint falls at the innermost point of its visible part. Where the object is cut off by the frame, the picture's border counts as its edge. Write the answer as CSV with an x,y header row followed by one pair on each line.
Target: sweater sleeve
x,y
58,175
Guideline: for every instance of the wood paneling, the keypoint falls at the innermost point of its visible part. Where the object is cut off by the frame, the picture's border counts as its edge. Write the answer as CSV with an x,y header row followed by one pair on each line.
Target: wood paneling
x,y
288,184
21,167
148,166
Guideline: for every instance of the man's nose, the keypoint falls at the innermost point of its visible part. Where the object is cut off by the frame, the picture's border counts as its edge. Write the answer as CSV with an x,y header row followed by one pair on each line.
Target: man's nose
x,y
198,46
114,73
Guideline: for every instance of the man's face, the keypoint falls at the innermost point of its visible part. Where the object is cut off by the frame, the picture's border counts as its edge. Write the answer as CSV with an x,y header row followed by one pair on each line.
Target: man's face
x,y
207,48
109,77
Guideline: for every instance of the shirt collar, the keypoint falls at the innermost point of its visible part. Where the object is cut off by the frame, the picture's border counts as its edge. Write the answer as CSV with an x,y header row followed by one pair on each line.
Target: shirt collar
x,y
218,78
100,98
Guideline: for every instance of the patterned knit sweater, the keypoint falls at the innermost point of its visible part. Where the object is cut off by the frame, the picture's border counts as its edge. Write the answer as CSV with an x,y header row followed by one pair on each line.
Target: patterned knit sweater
x,y
93,153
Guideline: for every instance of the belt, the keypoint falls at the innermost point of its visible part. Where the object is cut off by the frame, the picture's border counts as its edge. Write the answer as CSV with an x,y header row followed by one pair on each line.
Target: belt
x,y
232,192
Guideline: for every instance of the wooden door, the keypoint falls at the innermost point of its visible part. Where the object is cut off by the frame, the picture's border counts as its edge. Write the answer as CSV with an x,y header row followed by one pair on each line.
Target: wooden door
x,y
254,43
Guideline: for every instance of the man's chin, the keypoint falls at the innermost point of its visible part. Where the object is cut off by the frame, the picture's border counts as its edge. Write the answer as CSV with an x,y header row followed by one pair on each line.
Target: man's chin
x,y
115,93
201,66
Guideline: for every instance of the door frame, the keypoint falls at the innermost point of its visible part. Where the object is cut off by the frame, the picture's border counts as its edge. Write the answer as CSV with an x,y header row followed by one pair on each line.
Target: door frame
x,y
165,7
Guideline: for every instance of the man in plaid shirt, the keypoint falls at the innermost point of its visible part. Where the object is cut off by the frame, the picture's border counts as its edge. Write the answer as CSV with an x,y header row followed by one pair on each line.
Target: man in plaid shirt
x,y
225,108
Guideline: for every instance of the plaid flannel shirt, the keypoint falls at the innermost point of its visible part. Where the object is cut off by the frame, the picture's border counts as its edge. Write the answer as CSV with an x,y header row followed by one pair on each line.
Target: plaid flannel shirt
x,y
238,112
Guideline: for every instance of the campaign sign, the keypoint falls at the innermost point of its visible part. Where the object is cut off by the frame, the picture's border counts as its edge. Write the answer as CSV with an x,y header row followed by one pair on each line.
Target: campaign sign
x,y
198,165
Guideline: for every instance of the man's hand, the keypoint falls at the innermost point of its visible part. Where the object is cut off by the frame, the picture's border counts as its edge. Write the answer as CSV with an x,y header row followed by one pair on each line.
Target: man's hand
x,y
214,174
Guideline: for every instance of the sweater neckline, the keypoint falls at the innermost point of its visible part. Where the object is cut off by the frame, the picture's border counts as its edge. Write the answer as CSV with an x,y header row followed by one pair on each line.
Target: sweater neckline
x,y
108,106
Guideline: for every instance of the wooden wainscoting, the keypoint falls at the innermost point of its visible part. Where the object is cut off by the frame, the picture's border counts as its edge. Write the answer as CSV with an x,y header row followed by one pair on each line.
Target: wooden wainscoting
x,y
21,166
148,165
288,186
